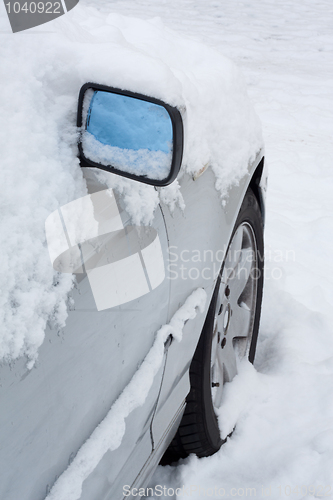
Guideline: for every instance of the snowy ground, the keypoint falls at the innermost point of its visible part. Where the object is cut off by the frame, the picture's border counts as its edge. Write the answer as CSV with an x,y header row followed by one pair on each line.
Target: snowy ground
x,y
284,406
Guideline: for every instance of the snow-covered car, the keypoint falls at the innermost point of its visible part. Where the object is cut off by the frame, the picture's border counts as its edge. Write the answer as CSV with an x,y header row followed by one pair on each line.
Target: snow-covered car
x,y
166,250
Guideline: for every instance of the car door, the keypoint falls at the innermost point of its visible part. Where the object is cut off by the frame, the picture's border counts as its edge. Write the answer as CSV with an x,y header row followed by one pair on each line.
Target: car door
x,y
49,412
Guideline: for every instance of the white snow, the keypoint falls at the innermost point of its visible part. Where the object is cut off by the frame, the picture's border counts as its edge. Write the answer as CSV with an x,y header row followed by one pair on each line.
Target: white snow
x,y
172,196
154,164
42,73
109,433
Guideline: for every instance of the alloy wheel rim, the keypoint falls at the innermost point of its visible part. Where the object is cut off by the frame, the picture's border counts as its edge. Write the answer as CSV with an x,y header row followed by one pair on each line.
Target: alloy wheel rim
x,y
235,310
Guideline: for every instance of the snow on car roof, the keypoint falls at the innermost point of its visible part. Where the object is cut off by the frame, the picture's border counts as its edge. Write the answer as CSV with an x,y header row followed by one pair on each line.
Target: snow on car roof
x,y
42,74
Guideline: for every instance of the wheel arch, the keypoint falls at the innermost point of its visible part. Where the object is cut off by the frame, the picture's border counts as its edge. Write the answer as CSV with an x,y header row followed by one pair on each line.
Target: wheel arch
x,y
258,185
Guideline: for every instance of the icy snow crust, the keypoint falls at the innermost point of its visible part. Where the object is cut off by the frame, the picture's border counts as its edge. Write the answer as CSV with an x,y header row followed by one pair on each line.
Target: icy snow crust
x,y
41,75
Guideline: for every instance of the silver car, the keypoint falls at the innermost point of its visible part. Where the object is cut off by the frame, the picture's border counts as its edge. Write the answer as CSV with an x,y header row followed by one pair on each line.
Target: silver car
x,y
158,320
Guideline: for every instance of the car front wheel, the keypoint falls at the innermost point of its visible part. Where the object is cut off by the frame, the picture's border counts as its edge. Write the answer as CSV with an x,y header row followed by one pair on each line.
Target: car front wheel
x,y
229,334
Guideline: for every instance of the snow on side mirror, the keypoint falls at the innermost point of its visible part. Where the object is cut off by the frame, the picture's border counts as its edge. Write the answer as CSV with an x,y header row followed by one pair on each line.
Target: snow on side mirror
x,y
129,134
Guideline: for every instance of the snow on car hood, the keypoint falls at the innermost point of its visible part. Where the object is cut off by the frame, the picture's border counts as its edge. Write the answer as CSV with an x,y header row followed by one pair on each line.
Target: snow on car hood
x,y
42,73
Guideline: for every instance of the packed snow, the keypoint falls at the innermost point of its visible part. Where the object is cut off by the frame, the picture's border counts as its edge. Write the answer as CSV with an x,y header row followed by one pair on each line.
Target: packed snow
x,y
282,444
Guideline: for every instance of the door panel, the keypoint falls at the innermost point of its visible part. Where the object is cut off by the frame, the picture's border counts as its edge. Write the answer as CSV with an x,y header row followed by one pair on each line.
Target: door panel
x,y
48,412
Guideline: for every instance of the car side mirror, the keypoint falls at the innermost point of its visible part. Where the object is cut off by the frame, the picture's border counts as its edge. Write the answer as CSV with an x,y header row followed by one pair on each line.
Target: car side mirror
x,y
129,134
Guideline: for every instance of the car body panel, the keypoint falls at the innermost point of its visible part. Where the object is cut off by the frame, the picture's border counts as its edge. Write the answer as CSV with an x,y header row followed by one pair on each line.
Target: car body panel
x,y
48,412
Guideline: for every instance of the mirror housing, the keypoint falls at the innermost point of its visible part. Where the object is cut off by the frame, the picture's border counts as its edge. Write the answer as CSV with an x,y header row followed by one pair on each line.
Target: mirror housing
x,y
129,134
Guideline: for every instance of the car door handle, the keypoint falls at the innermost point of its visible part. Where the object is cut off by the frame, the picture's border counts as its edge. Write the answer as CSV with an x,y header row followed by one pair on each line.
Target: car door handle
x,y
168,342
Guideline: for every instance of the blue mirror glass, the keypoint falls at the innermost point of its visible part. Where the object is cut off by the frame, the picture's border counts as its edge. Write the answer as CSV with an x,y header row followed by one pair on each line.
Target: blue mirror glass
x,y
129,134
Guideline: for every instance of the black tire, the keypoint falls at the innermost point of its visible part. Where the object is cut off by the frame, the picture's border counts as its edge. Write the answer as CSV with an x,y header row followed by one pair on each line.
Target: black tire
x,y
198,431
